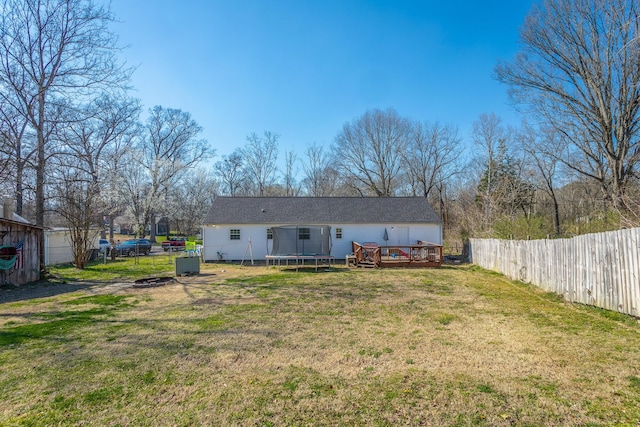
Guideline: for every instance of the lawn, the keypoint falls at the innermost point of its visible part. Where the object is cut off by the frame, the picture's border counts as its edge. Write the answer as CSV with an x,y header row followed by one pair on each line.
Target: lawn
x,y
257,346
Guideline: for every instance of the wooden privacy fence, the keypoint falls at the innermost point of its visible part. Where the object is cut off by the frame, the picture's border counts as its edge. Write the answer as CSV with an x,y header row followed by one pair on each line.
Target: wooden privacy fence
x,y
601,269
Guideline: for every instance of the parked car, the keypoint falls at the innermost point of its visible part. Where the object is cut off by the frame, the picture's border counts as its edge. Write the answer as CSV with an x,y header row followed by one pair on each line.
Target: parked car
x,y
104,246
174,243
132,246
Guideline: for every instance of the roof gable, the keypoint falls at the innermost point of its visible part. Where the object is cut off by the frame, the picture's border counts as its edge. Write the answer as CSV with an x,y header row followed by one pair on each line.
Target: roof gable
x,y
320,210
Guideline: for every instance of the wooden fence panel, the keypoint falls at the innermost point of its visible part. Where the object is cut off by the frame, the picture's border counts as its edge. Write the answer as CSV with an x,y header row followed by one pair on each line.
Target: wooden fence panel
x,y
600,269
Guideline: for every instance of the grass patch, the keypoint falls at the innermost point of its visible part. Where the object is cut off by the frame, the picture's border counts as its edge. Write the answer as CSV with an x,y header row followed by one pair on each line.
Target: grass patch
x,y
103,396
123,268
254,346
445,318
273,279
19,334
213,323
103,300
438,288
60,323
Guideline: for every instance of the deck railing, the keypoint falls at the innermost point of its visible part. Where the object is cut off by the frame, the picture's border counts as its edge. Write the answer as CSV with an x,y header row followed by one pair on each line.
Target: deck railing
x,y
422,254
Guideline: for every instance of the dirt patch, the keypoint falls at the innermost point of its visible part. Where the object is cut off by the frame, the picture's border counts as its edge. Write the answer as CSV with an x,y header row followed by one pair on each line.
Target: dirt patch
x,y
12,293
46,289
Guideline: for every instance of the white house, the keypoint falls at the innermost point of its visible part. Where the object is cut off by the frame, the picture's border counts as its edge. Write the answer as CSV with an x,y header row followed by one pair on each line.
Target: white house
x,y
236,228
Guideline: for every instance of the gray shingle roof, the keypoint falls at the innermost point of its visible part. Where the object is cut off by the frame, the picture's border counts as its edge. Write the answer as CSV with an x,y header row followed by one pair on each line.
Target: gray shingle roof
x,y
320,210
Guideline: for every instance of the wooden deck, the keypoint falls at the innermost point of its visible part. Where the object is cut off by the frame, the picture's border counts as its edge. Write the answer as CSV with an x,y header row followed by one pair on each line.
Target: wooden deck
x,y
421,255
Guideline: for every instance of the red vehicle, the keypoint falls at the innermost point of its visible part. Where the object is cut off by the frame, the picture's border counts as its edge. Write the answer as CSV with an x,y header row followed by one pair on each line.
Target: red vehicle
x,y
174,243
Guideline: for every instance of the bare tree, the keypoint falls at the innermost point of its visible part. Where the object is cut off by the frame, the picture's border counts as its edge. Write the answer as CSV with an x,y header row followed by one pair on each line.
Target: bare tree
x,y
95,131
488,134
580,71
170,149
190,200
120,127
53,50
431,156
370,151
630,213
230,170
321,177
5,166
53,53
504,188
136,191
465,213
76,200
17,149
540,146
291,187
260,155
80,168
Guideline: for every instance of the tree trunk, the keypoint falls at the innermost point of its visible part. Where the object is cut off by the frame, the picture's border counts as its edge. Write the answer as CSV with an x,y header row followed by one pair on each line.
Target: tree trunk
x,y
19,188
40,169
152,227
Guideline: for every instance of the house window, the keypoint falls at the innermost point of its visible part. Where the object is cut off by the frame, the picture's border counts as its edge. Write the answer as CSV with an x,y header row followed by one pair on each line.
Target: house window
x,y
234,234
269,234
304,233
338,233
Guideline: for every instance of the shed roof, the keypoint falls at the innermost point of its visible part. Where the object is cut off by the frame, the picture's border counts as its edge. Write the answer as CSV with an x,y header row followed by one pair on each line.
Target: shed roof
x,y
320,210
8,222
14,216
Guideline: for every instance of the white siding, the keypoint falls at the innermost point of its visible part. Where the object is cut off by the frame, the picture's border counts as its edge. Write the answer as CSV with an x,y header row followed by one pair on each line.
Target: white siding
x,y
58,247
216,238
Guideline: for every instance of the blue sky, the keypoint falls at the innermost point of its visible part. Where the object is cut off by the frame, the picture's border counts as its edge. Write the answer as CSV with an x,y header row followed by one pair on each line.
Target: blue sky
x,y
303,68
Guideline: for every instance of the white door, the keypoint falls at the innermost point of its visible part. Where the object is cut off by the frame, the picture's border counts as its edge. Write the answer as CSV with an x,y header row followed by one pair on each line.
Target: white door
x,y
399,236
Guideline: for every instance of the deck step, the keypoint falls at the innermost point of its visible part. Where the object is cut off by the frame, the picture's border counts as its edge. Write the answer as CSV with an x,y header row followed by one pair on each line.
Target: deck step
x,y
367,264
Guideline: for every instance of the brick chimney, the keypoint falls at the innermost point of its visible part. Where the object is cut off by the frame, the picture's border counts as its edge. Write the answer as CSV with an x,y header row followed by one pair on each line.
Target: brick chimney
x,y
7,207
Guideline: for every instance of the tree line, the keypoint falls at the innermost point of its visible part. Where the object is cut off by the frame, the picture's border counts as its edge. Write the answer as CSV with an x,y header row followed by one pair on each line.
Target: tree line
x,y
74,149
71,142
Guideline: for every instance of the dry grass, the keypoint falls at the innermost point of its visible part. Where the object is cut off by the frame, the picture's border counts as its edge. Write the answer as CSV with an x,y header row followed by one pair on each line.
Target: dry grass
x,y
259,346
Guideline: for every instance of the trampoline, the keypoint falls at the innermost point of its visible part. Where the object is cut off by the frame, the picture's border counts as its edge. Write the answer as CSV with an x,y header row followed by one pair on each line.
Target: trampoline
x,y
301,243
318,260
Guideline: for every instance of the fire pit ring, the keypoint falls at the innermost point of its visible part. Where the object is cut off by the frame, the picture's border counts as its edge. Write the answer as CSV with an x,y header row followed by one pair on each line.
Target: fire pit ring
x,y
151,282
